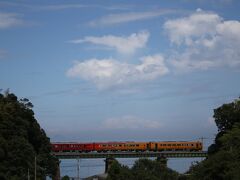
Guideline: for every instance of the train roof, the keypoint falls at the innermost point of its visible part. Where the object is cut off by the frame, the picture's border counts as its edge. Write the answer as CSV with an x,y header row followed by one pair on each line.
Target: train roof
x,y
117,142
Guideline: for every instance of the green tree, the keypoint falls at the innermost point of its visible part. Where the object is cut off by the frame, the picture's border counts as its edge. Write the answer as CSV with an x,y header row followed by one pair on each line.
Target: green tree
x,y
227,115
223,162
65,178
119,172
143,169
21,140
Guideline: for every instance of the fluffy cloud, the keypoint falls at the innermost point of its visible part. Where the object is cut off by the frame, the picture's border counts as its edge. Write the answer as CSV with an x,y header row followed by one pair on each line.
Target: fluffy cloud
x,y
130,122
126,45
9,20
107,73
204,41
128,17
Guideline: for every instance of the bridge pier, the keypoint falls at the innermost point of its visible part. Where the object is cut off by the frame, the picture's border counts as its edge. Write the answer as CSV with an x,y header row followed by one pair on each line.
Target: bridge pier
x,y
57,176
108,163
162,160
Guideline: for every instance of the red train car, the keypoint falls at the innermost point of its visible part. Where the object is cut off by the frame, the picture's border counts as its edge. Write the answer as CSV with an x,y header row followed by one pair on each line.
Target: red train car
x,y
70,147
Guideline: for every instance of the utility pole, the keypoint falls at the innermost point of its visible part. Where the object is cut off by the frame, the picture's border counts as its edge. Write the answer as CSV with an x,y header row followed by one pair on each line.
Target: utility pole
x,y
28,175
35,170
202,138
78,169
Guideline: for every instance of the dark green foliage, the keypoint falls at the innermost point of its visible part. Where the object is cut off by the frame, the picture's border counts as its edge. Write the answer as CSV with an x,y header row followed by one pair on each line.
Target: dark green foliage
x,y
119,172
227,115
21,139
143,169
222,166
223,162
65,178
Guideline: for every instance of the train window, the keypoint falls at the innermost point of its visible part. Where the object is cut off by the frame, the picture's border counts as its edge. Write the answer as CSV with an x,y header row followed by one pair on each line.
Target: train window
x,y
137,145
174,144
192,144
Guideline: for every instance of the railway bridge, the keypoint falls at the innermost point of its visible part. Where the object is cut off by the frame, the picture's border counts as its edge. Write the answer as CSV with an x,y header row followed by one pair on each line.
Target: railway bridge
x,y
110,156
166,154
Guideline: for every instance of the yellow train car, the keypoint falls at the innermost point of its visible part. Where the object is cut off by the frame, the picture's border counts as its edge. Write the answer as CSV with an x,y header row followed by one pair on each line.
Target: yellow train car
x,y
176,146
134,146
120,146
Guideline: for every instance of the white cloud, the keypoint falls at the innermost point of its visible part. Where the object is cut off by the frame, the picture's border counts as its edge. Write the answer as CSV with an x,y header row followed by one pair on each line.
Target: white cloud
x,y
61,6
8,20
204,40
128,17
125,45
107,73
130,122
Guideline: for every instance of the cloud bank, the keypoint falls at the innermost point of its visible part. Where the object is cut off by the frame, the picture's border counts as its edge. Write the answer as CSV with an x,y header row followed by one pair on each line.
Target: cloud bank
x,y
8,20
105,73
125,45
204,40
201,41
128,17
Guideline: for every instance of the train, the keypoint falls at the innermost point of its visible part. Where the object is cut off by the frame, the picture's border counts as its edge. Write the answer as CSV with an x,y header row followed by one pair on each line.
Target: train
x,y
126,146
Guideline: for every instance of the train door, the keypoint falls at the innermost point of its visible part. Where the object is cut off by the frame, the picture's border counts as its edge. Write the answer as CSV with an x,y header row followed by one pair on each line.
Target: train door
x,y
156,147
148,146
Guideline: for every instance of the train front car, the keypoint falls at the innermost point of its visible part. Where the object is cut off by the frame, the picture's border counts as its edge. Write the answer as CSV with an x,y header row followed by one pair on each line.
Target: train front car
x,y
199,146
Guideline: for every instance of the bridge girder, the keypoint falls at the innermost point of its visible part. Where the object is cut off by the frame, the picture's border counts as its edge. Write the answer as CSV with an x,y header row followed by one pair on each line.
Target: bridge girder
x,y
93,155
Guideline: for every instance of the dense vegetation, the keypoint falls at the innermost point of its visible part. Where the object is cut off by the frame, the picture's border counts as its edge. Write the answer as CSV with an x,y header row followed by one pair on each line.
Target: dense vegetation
x,y
21,140
223,162
143,169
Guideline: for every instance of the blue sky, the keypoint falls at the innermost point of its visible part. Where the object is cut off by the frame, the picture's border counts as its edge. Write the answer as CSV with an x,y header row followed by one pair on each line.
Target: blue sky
x,y
122,70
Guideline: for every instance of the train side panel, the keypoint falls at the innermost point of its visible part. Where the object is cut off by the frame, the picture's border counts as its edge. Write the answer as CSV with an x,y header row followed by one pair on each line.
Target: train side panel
x,y
128,146
175,146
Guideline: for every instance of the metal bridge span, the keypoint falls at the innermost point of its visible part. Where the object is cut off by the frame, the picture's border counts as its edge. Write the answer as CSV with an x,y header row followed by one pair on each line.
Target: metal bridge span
x,y
165,154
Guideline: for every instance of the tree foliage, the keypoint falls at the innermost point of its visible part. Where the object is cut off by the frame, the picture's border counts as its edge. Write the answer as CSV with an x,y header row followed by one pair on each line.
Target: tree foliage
x,y
227,115
223,162
143,169
21,140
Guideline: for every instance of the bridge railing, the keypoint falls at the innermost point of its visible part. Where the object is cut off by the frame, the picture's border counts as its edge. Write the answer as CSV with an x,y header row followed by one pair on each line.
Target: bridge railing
x,y
167,154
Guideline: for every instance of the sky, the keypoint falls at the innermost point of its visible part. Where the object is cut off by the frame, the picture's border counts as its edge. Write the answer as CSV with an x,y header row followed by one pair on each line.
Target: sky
x,y
140,70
